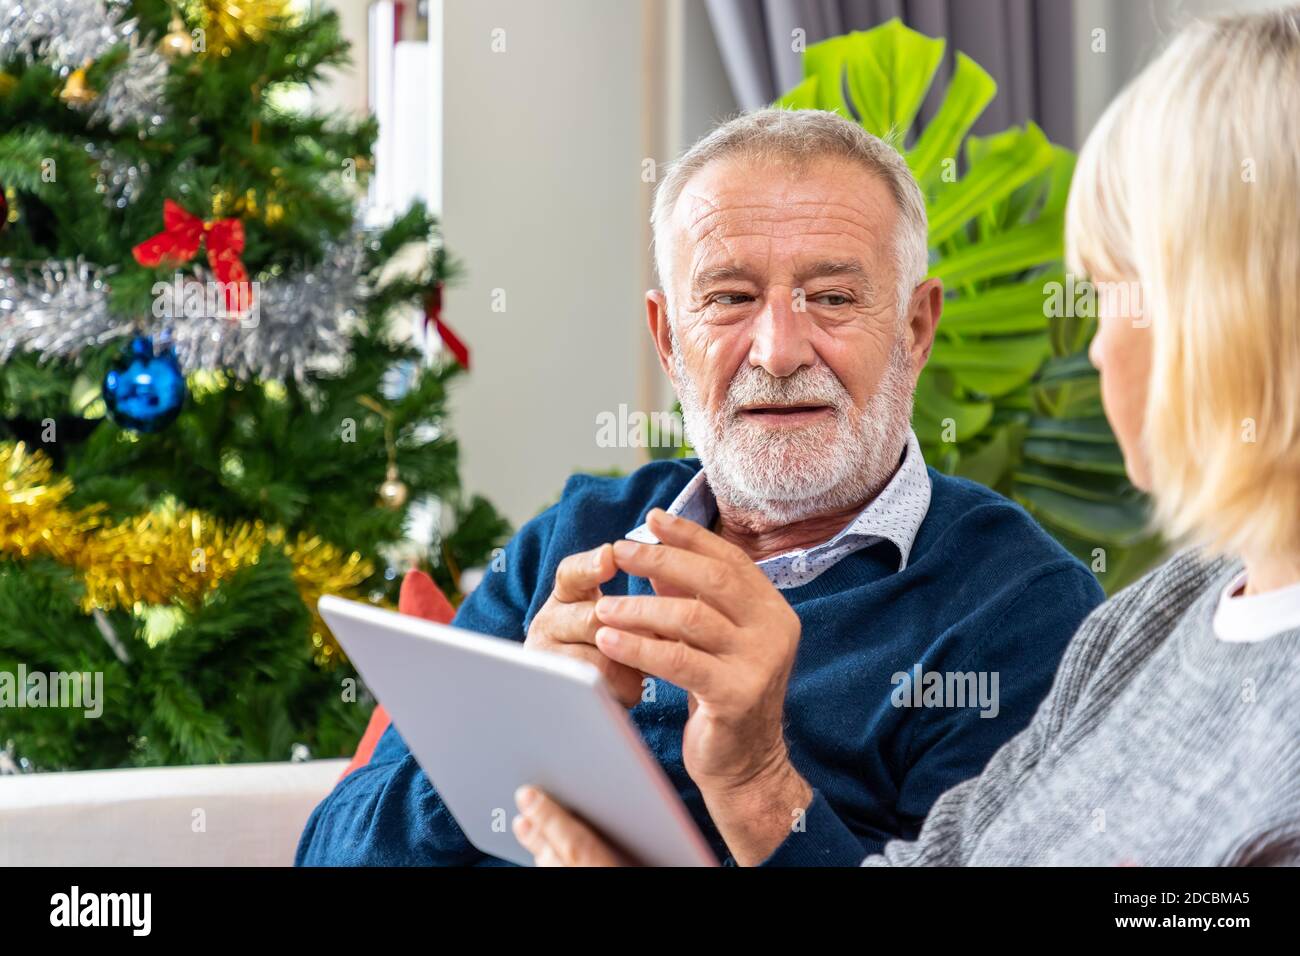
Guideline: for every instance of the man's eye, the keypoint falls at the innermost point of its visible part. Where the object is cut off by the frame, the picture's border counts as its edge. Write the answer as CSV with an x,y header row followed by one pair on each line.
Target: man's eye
x,y
732,298
832,298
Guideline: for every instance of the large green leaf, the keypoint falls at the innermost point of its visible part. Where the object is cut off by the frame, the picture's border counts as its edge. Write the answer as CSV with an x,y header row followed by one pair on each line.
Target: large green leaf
x,y
969,91
889,70
939,412
823,63
992,366
999,310
1094,430
1094,486
1084,456
801,97
1068,387
1120,523
1010,164
1005,254
1059,182
990,463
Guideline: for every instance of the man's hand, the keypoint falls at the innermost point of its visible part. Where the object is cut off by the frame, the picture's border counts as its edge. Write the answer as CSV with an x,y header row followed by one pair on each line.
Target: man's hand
x,y
555,837
728,638
567,623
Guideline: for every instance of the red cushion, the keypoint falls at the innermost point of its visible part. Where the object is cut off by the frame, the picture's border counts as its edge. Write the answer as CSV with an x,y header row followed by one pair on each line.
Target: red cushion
x,y
420,597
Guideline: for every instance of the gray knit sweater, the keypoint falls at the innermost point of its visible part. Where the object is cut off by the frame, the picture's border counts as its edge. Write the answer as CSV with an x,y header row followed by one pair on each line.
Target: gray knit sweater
x,y
1158,745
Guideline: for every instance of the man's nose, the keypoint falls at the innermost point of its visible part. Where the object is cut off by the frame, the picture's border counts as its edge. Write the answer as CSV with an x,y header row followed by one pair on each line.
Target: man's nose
x,y
781,345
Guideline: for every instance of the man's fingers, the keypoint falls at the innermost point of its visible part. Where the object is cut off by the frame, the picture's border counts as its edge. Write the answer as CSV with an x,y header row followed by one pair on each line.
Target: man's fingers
x,y
579,576
529,836
686,534
674,661
682,619
572,622
534,841
624,682
710,579
556,837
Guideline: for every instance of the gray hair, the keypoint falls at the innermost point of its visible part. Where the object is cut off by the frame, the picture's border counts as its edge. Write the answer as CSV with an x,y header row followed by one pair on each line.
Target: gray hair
x,y
802,136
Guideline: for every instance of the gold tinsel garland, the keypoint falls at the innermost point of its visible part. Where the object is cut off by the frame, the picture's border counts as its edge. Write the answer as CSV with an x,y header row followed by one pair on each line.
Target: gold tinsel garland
x,y
169,556
228,24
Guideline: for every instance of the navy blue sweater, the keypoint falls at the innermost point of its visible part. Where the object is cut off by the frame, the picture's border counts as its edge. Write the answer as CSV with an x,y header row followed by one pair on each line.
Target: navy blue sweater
x,y
985,590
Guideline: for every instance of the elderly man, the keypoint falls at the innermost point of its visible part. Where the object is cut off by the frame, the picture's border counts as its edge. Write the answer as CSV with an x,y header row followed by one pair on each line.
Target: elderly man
x,y
771,612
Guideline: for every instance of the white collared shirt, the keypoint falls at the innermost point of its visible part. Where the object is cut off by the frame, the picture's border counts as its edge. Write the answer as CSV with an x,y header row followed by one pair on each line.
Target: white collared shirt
x,y
1246,618
893,515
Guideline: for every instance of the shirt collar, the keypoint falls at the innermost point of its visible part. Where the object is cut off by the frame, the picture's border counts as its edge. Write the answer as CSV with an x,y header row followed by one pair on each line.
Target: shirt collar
x,y
894,515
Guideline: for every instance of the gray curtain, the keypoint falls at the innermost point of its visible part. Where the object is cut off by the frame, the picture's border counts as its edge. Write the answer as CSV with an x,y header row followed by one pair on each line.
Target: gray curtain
x,y
1027,46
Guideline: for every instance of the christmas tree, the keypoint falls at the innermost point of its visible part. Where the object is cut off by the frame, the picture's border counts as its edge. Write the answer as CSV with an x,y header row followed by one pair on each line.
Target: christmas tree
x,y
209,413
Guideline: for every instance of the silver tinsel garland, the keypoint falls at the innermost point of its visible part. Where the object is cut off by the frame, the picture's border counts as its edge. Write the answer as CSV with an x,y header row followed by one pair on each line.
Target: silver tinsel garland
x,y
56,308
303,321
65,34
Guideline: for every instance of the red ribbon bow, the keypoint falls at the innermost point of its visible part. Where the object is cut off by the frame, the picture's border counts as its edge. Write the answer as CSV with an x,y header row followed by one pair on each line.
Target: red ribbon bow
x,y
433,314
179,241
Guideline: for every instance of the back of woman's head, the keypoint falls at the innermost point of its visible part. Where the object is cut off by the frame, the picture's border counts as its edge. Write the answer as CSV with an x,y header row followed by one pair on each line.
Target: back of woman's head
x,y
1190,184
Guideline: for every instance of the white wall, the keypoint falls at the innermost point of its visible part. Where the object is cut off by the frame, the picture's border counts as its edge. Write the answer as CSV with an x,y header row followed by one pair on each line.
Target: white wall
x,y
345,87
541,187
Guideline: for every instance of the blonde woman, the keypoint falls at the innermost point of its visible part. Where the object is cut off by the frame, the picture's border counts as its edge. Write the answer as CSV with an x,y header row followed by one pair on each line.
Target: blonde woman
x,y
1171,735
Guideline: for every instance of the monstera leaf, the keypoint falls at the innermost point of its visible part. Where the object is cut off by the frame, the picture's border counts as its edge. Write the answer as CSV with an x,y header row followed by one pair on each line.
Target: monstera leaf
x,y
1008,397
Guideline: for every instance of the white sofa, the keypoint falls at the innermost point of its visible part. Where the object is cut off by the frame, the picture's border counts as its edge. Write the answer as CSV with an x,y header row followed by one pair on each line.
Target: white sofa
x,y
235,815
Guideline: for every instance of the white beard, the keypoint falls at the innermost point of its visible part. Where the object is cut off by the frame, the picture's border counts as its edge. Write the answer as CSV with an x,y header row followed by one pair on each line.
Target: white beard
x,y
786,475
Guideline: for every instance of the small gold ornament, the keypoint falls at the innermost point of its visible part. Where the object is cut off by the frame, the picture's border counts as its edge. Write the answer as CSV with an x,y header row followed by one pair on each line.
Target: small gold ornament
x,y
268,210
223,203
76,91
176,42
393,492
8,206
226,203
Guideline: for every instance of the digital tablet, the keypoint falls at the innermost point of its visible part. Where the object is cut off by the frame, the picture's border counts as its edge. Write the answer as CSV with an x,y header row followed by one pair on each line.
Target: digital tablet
x,y
484,716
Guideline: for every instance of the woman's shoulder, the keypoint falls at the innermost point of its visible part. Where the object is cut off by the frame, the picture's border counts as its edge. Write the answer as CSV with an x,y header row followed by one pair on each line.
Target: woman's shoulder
x,y
1165,592
1135,621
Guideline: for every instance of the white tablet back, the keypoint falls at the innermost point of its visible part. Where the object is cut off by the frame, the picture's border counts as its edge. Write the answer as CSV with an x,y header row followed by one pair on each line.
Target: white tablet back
x,y
484,715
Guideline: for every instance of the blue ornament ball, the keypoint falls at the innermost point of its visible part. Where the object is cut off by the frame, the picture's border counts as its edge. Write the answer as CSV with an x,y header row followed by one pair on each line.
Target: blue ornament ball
x,y
145,389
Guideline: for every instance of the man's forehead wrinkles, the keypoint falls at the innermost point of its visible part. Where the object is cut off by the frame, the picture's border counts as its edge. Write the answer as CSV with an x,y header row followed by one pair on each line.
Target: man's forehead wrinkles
x,y
732,225
806,208
719,250
783,231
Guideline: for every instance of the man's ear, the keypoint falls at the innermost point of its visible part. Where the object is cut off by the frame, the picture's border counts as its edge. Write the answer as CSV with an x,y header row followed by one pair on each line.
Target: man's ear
x,y
656,313
923,320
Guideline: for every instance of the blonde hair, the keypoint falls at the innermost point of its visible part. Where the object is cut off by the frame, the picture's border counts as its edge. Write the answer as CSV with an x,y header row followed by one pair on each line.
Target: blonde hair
x,y
1190,184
